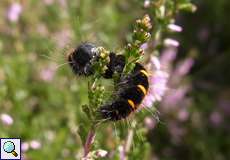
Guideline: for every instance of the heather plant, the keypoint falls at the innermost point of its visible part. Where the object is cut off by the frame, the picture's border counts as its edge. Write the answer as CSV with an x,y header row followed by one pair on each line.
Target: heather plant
x,y
133,52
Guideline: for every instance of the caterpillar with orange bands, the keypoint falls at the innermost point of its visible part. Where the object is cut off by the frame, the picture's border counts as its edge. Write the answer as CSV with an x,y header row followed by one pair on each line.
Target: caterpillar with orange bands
x,y
132,88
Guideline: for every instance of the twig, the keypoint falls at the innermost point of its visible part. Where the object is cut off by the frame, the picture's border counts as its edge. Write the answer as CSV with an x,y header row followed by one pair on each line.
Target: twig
x,y
89,141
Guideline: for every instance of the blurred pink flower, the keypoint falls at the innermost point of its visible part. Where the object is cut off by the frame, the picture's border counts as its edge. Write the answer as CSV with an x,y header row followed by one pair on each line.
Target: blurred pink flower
x,y
150,123
176,132
25,146
175,28
167,57
62,38
47,74
157,83
144,46
6,119
14,12
101,153
172,98
184,67
63,3
181,70
183,114
147,3
169,42
121,150
175,102
216,118
48,2
35,144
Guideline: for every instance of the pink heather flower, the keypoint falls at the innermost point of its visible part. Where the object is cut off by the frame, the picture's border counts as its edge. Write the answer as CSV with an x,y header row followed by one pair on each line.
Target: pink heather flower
x,y
63,3
181,70
144,46
150,123
6,119
168,55
175,28
25,146
215,118
183,114
155,61
171,42
121,150
47,74
34,144
147,3
48,2
157,83
173,97
176,132
63,37
184,67
101,153
14,12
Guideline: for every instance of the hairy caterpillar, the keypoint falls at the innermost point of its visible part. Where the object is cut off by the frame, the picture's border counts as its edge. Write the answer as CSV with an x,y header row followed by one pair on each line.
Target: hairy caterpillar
x,y
81,59
131,92
132,88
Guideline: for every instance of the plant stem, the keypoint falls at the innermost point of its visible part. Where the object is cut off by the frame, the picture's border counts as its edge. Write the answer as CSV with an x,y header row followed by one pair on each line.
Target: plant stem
x,y
89,140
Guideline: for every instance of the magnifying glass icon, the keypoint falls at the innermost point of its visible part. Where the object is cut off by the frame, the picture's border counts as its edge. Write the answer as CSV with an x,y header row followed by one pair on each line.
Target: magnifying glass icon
x,y
9,147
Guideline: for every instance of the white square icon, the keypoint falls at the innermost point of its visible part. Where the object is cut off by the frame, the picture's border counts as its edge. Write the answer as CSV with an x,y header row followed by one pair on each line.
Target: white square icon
x,y
10,149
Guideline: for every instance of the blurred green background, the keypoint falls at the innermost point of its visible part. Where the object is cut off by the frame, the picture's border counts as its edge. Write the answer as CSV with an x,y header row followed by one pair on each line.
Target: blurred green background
x,y
41,104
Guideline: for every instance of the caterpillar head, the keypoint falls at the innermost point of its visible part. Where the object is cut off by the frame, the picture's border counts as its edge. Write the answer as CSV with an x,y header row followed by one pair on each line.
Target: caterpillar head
x,y
80,59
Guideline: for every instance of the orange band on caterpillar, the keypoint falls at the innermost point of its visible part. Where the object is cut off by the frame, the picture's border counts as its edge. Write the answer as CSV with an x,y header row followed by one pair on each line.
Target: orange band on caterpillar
x,y
130,95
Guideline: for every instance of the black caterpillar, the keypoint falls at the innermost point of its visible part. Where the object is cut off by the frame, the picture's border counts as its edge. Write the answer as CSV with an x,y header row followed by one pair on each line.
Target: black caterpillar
x,y
131,89
81,59
131,92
